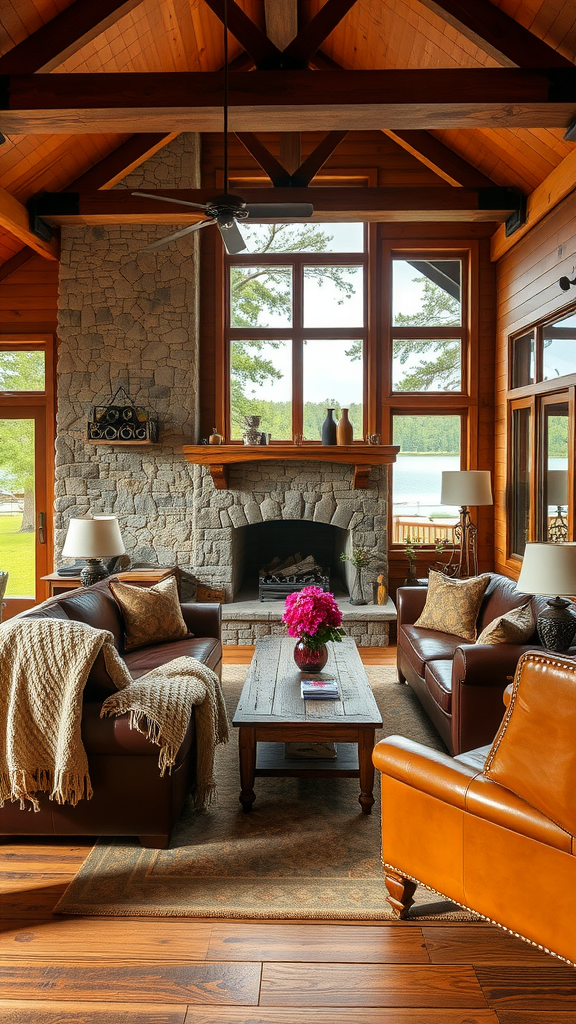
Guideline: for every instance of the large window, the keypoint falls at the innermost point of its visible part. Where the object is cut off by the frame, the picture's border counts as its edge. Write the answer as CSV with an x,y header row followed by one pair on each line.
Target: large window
x,y
542,381
296,331
426,369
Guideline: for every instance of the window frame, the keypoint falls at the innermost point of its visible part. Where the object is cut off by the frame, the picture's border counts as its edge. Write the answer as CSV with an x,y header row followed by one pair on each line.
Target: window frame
x,y
440,403
297,333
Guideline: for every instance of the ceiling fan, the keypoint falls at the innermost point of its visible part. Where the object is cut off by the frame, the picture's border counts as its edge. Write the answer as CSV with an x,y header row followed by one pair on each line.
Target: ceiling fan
x,y
226,210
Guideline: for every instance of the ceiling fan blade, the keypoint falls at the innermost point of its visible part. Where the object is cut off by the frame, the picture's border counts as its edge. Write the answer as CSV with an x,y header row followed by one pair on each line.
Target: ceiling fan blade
x,y
231,237
167,199
279,211
177,234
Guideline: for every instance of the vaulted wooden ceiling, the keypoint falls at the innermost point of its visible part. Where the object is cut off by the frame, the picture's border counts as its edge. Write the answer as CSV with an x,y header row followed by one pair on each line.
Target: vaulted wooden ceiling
x,y
155,36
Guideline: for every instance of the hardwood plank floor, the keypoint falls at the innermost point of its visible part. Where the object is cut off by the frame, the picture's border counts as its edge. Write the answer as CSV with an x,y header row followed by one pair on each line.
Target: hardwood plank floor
x,y
58,970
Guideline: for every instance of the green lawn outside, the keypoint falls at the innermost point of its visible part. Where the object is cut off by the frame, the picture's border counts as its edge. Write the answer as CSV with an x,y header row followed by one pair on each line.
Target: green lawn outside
x,y
17,557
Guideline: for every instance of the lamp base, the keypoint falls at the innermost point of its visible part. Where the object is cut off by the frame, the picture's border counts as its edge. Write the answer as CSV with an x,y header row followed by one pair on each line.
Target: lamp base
x,y
93,572
556,625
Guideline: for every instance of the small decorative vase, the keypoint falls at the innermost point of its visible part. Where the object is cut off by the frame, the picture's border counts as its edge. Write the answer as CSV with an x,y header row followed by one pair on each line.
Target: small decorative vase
x,y
344,430
329,428
251,435
357,595
310,659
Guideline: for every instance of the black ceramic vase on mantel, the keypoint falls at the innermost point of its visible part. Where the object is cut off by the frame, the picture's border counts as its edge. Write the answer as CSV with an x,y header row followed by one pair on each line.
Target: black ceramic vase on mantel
x,y
329,428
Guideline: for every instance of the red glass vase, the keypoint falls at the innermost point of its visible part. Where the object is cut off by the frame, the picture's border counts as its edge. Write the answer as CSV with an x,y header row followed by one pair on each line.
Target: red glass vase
x,y
310,659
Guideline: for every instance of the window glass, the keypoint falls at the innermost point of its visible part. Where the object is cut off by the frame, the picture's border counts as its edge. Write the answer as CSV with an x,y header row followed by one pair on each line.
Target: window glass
x,y
333,378
555,496
520,483
426,365
17,501
260,296
261,385
524,360
559,348
333,296
22,371
429,445
303,237
426,293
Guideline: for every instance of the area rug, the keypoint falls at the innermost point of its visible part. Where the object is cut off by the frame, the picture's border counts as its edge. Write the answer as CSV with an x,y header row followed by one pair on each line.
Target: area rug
x,y
305,852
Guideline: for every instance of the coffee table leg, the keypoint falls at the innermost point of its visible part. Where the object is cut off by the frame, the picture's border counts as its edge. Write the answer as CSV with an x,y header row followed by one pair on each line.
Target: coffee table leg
x,y
247,747
366,766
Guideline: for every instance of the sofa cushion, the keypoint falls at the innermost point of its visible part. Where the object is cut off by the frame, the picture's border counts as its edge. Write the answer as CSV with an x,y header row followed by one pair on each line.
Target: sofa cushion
x,y
205,649
452,605
513,627
438,679
423,645
151,615
501,596
96,606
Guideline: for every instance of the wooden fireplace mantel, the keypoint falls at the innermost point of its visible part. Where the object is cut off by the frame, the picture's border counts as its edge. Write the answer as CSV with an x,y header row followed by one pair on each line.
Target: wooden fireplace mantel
x,y
220,457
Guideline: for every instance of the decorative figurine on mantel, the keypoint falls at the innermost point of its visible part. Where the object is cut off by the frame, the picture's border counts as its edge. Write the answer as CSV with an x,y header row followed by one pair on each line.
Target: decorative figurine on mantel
x,y
252,434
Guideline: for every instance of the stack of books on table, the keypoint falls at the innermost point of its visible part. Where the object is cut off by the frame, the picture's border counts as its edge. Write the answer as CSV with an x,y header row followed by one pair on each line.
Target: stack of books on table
x,y
320,689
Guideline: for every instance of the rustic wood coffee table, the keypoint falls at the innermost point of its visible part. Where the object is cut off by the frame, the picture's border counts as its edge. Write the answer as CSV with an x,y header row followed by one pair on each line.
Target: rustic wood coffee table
x,y
271,712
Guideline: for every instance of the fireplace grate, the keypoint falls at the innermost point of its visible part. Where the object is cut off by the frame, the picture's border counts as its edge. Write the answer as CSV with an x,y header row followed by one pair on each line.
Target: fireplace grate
x,y
276,588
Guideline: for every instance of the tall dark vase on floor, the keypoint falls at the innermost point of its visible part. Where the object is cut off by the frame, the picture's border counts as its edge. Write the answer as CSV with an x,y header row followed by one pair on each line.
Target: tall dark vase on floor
x,y
329,428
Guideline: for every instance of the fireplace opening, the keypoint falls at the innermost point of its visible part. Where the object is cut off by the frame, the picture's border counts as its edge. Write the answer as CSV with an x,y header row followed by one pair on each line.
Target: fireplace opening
x,y
257,545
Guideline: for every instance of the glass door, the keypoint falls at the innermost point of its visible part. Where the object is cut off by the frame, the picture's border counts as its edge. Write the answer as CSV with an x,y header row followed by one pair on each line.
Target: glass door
x,y
23,504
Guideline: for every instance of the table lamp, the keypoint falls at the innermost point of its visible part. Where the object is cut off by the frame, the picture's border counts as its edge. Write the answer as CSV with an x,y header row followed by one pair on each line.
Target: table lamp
x,y
465,488
557,494
551,569
93,538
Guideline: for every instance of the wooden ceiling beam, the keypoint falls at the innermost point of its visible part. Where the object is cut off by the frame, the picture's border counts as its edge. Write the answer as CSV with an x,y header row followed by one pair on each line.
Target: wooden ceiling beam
x,y
288,100
251,38
15,219
269,164
119,206
18,260
495,32
64,35
559,184
112,168
312,35
440,158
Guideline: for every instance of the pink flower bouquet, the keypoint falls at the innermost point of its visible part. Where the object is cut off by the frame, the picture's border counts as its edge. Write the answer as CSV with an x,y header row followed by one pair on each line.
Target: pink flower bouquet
x,y
313,616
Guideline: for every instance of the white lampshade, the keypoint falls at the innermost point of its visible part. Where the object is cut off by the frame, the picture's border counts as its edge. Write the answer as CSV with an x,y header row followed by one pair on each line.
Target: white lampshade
x,y
549,569
93,537
557,487
466,487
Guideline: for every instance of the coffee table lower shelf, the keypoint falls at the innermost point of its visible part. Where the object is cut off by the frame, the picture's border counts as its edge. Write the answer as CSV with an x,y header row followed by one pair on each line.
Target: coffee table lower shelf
x,y
271,762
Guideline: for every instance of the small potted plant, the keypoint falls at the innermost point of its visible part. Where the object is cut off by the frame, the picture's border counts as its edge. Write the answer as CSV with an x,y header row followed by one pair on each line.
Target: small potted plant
x,y
360,559
314,618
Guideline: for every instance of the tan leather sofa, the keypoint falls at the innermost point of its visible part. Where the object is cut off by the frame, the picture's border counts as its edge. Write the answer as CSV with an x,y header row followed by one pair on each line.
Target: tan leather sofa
x,y
493,829
130,797
459,684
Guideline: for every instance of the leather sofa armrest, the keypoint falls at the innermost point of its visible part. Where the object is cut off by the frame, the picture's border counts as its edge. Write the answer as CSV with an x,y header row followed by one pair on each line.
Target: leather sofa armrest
x,y
486,664
203,619
410,602
426,770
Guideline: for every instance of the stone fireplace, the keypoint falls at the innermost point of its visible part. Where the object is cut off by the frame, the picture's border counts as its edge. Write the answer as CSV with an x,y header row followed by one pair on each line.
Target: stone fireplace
x,y
288,500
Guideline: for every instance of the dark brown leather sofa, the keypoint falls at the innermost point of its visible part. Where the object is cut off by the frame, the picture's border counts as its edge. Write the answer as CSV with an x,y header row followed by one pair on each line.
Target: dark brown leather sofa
x,y
460,685
130,797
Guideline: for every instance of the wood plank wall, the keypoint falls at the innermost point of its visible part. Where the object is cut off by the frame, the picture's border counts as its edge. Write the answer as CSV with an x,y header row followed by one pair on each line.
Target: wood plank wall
x,y
527,290
29,299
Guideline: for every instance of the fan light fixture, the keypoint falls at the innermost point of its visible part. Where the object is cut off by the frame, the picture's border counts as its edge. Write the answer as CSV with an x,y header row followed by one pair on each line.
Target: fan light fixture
x,y
226,210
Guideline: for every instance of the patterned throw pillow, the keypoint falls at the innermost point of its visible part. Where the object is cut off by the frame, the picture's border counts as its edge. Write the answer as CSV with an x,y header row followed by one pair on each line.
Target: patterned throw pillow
x,y
515,627
452,606
152,615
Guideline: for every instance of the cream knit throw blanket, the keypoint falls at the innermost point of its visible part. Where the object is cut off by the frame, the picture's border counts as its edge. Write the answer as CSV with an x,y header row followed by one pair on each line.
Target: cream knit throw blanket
x,y
44,665
160,705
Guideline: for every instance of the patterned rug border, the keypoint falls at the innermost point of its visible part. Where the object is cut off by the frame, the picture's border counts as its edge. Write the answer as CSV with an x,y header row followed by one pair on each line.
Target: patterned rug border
x,y
113,880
